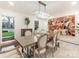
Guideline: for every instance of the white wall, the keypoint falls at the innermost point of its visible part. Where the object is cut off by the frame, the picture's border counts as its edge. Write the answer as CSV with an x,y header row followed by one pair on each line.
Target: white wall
x,y
77,21
0,29
19,22
64,14
43,24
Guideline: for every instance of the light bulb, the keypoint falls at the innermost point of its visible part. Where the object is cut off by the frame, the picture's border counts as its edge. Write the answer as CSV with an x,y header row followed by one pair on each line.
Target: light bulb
x,y
11,3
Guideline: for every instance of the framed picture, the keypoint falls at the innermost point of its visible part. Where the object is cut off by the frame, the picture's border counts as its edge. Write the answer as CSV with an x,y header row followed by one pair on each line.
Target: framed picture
x,y
64,22
36,25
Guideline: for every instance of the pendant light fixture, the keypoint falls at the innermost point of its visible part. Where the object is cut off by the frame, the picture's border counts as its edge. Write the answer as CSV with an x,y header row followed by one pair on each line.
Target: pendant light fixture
x,y
42,13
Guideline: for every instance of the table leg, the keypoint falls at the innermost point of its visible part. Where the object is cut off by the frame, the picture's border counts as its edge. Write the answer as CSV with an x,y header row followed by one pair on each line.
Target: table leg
x,y
22,50
24,53
34,50
29,52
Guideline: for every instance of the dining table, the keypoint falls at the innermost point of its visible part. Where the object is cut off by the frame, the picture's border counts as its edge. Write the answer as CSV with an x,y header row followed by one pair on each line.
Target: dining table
x,y
25,43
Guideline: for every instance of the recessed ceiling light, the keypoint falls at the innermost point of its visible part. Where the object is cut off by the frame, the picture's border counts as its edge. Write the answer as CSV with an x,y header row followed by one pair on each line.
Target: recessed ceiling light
x,y
74,3
11,3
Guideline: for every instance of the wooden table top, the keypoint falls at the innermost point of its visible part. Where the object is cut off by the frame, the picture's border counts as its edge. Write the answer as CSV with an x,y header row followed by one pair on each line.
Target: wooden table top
x,y
24,42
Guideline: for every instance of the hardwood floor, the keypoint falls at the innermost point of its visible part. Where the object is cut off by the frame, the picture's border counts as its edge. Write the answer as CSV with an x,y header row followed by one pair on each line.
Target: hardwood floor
x,y
11,54
67,49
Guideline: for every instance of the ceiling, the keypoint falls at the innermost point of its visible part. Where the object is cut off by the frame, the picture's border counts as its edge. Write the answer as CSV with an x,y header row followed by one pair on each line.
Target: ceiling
x,y
29,7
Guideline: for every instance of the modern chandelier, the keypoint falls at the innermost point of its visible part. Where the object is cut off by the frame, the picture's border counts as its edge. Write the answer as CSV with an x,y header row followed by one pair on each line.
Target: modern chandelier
x,y
42,13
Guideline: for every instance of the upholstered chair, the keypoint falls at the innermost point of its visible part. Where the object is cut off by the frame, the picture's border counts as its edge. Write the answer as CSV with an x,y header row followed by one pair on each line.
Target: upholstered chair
x,y
52,43
42,41
28,33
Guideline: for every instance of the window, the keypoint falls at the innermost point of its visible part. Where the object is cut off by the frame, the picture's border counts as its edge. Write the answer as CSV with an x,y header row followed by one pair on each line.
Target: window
x,y
7,28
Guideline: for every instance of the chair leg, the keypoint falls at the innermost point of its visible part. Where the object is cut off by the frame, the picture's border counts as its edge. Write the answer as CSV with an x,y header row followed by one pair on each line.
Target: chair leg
x,y
38,55
52,52
34,53
34,50
22,50
45,54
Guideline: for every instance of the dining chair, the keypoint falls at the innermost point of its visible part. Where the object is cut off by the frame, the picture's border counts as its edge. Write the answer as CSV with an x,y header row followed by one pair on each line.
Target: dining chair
x,y
11,53
53,42
42,41
28,33
57,38
50,35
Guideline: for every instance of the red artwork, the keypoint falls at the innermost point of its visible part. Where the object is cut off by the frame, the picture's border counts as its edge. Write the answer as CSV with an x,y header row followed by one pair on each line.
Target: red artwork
x,y
66,22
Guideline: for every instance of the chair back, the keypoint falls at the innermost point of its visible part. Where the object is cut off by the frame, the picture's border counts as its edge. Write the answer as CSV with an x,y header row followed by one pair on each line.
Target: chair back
x,y
28,33
28,36
51,34
55,37
42,41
